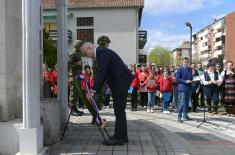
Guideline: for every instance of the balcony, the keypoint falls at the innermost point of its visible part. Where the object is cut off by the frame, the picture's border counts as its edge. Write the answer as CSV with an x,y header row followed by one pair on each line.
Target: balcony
x,y
218,52
53,35
219,34
142,39
219,43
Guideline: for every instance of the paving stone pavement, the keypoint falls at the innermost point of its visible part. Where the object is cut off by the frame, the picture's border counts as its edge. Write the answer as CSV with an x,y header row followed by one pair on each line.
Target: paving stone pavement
x,y
150,134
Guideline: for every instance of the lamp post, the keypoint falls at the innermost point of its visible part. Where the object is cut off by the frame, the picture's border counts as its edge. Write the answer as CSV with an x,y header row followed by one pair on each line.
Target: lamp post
x,y
188,24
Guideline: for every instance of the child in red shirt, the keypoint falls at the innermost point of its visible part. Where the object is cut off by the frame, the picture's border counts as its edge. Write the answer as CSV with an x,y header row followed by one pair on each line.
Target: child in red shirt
x,y
143,92
166,89
133,90
151,88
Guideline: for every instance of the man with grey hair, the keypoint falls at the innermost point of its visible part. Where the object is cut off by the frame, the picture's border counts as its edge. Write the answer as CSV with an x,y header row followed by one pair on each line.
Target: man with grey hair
x,y
111,69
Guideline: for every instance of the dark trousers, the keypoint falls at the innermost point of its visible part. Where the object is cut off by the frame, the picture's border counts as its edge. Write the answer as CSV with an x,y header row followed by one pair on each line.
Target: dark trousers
x,y
195,101
143,99
47,89
119,105
212,94
134,99
106,100
201,93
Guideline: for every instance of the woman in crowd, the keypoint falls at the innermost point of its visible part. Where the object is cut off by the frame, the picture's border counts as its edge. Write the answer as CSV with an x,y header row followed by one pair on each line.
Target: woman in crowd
x,y
195,88
228,98
46,81
54,87
157,77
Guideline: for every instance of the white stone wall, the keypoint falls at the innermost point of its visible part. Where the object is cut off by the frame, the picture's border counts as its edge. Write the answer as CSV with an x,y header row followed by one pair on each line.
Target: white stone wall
x,y
120,24
10,60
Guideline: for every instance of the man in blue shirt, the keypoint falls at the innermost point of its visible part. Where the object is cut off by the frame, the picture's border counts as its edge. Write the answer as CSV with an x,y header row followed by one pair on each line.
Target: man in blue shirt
x,y
184,77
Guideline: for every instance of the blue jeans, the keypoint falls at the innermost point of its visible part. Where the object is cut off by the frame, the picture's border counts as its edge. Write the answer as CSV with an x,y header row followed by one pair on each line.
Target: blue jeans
x,y
166,101
151,99
184,98
175,97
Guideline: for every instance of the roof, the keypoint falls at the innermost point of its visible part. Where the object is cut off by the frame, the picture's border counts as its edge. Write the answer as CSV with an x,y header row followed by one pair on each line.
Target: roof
x,y
50,4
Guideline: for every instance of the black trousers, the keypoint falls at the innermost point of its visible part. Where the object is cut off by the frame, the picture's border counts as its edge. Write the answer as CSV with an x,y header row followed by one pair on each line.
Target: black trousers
x,y
202,96
195,101
119,105
212,94
106,100
143,99
134,99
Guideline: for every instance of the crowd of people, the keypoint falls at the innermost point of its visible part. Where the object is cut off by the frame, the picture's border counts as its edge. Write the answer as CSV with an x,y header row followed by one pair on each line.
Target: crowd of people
x,y
183,87
150,86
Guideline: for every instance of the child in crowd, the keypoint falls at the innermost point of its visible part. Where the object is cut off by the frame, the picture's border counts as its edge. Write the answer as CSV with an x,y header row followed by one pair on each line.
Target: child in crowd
x,y
151,88
133,90
166,89
143,92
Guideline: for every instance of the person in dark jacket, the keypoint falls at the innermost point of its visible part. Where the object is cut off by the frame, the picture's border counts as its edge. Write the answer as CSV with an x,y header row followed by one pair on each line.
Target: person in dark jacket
x,y
111,69
184,77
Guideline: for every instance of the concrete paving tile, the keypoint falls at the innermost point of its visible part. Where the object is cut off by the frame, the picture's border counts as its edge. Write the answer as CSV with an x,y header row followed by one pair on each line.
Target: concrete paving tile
x,y
105,148
135,152
119,152
149,148
92,147
120,148
65,146
134,148
105,153
150,153
90,152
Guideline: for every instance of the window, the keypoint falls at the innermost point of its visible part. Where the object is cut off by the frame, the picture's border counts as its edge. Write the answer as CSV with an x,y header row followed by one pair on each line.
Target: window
x,y
204,52
85,31
201,38
85,21
85,35
204,44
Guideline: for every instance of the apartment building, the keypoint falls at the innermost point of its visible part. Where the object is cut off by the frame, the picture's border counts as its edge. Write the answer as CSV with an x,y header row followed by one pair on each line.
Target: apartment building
x,y
216,41
179,53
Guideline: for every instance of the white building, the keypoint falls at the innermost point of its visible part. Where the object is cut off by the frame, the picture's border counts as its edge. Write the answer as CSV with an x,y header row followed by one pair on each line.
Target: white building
x,y
117,19
216,41
179,53
21,25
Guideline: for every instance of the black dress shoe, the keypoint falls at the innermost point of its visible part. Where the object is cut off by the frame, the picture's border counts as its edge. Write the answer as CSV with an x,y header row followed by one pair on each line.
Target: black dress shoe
x,y
113,142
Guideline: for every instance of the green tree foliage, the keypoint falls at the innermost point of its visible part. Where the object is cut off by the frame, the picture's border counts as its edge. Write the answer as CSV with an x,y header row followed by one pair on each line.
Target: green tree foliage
x,y
49,50
160,56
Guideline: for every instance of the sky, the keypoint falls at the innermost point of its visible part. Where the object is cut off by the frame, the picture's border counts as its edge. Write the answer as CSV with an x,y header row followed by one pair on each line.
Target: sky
x,y
165,20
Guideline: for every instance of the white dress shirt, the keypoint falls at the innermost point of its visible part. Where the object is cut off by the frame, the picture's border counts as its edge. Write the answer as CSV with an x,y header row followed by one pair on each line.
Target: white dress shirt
x,y
212,77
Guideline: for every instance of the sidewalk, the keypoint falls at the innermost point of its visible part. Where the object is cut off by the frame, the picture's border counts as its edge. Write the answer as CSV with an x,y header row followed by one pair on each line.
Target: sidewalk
x,y
150,134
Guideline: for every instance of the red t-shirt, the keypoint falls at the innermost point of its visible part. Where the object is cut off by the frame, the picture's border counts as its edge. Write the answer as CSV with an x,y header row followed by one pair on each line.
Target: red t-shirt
x,y
46,75
165,85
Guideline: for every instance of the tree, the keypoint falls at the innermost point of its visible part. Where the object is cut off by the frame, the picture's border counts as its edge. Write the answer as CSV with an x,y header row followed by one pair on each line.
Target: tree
x,y
49,50
160,56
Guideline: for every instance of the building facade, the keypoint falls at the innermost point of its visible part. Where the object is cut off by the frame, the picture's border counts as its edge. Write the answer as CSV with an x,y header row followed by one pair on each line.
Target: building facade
x,y
216,41
87,21
179,53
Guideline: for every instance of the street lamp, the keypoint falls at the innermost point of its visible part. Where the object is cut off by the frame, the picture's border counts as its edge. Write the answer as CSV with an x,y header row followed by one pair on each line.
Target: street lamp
x,y
188,24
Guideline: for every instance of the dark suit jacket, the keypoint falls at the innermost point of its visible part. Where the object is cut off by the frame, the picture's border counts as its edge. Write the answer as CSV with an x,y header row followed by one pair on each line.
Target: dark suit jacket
x,y
112,69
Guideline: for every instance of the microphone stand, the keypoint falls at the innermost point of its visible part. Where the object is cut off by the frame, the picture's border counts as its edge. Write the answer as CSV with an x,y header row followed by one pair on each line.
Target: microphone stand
x,y
204,111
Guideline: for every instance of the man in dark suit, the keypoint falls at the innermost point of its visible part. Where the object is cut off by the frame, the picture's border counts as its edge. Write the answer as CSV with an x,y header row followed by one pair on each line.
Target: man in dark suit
x,y
111,69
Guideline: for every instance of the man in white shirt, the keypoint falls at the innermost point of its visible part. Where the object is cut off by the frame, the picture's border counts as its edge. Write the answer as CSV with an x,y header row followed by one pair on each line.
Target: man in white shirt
x,y
211,81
